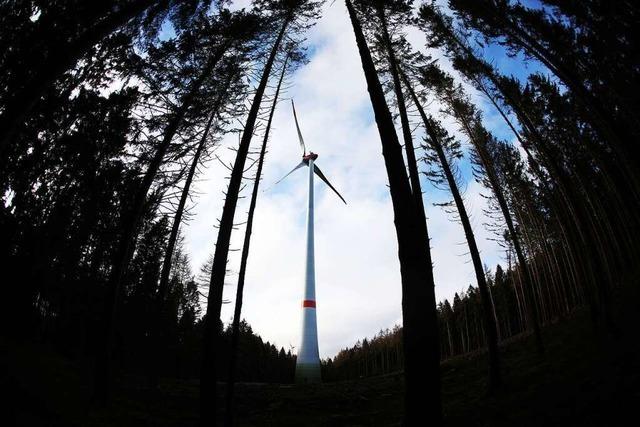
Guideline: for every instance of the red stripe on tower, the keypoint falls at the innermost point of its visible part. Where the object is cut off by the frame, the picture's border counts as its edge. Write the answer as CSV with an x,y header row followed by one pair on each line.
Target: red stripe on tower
x,y
309,303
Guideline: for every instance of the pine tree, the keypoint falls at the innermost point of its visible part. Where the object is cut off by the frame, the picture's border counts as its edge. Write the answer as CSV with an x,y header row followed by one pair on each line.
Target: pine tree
x,y
234,30
287,15
76,27
420,325
246,246
470,121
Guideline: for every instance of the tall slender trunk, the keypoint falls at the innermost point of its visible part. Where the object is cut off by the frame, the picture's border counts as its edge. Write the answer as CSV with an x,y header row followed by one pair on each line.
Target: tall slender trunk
x,y
208,376
130,223
492,176
451,352
555,203
495,378
177,220
569,200
420,331
517,284
584,227
549,160
604,123
532,161
245,257
414,175
163,287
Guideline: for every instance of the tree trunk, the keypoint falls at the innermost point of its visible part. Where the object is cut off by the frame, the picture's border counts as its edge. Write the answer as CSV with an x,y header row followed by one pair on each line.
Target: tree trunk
x,y
506,213
129,228
549,160
245,257
420,331
495,378
163,287
414,175
208,376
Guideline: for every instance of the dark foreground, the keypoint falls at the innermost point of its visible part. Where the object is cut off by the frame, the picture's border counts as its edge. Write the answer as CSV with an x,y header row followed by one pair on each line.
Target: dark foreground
x,y
581,381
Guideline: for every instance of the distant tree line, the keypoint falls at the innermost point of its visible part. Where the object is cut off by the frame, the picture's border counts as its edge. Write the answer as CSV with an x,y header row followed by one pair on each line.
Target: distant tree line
x,y
461,326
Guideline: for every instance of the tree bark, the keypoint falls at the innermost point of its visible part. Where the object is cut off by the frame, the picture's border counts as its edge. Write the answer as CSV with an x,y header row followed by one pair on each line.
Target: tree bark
x,y
208,376
495,378
420,330
245,257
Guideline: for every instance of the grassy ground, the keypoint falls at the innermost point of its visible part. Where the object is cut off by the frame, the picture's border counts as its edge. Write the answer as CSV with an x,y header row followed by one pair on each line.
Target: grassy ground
x,y
586,378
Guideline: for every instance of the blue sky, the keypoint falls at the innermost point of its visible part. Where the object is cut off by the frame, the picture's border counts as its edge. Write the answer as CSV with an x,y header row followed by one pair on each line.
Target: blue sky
x,y
358,281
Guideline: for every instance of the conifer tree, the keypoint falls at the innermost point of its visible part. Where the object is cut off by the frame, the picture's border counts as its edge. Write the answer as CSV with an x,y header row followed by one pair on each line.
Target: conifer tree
x,y
286,16
228,31
420,326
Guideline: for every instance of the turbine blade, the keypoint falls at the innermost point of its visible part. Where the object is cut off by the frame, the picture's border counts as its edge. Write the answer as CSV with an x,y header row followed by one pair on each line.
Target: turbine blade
x,y
318,172
300,138
292,171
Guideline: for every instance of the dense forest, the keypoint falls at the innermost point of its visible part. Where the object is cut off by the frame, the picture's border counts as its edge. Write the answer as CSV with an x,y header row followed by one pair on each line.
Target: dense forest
x,y
111,110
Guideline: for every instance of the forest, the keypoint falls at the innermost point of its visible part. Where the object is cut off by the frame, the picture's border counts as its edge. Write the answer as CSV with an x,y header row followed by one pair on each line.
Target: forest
x,y
112,113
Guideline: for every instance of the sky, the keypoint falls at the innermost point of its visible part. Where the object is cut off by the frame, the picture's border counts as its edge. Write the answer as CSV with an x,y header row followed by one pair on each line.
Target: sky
x,y
358,286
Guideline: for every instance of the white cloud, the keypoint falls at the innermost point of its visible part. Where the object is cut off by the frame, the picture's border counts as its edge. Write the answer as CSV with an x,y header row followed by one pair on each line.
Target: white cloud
x,y
358,280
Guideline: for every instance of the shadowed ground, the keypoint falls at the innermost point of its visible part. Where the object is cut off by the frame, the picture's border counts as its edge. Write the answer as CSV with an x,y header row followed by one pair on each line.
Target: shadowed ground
x,y
586,378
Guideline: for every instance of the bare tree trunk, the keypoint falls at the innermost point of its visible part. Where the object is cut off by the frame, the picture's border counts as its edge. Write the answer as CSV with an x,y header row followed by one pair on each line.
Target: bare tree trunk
x,y
420,331
163,286
450,341
492,175
245,257
495,378
208,375
129,230
414,175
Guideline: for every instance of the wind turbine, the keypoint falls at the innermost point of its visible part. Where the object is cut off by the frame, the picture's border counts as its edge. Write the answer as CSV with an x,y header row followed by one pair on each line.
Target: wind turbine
x,y
308,362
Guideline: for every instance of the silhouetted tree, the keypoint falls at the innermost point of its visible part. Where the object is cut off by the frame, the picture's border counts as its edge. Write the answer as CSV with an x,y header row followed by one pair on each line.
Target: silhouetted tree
x,y
244,257
46,39
285,15
420,325
222,34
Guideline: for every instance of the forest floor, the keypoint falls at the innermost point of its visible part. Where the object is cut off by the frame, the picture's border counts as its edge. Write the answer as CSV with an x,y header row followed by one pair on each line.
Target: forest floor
x,y
585,378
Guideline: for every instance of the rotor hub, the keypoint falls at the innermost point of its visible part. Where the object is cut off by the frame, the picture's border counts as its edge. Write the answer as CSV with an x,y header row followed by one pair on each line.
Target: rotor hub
x,y
311,156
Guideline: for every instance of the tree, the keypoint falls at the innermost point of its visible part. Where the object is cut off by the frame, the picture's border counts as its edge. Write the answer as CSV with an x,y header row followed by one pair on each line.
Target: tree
x,y
283,14
245,249
552,43
447,150
228,85
420,325
234,30
469,119
75,27
580,233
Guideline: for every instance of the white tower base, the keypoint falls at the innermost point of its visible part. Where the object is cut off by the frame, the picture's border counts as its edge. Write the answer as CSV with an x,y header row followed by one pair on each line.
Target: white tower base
x,y
308,362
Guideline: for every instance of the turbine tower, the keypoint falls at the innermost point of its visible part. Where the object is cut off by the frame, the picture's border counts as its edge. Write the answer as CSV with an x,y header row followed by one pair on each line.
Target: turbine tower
x,y
308,362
